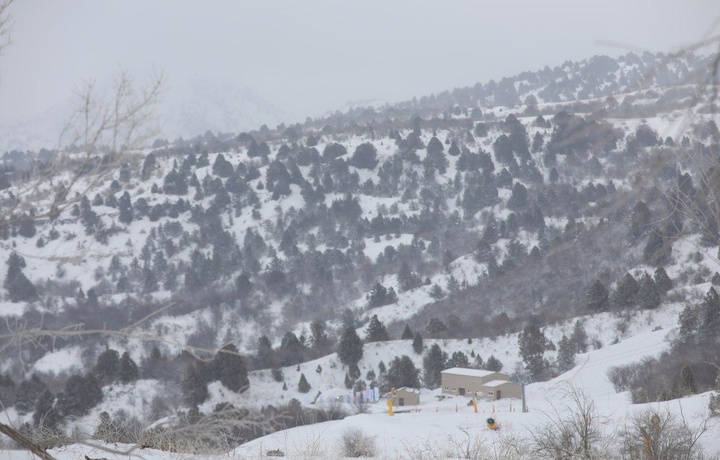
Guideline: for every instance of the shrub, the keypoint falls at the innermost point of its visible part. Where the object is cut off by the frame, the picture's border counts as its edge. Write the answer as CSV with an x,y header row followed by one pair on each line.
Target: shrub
x,y
356,444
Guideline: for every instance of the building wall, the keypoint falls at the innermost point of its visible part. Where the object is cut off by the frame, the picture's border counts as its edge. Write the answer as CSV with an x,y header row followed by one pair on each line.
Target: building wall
x,y
451,383
507,390
410,398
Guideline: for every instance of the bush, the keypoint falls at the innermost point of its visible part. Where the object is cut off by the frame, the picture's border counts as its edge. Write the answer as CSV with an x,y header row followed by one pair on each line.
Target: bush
x,y
356,444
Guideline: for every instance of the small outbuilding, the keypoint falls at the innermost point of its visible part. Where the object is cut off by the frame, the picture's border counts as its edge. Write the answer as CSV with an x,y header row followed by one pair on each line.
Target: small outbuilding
x,y
404,396
498,389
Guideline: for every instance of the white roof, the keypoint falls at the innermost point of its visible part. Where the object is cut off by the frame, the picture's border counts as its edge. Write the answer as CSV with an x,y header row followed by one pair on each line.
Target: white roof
x,y
467,372
409,390
495,383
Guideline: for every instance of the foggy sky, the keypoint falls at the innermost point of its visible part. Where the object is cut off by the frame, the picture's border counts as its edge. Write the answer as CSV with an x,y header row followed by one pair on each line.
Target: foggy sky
x,y
308,57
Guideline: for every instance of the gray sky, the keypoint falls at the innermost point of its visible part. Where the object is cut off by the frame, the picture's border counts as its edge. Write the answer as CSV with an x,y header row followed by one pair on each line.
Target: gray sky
x,y
307,57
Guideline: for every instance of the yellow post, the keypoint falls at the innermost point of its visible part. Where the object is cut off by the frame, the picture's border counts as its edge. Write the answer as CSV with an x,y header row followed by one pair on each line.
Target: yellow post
x,y
390,409
475,405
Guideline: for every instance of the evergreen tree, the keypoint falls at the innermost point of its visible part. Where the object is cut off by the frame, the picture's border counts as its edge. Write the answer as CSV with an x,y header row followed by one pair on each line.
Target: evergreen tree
x,y
107,366
401,373
127,369
303,385
579,338
434,362
28,393
597,297
687,380
265,353
639,221
364,156
149,166
417,343
20,289
626,293
376,331
436,292
648,294
194,384
493,364
657,250
407,333
532,343
222,167
229,367
348,381
710,311
291,349
125,215
80,394
406,278
566,355
350,348
46,416
518,199
688,324
436,328
662,280
458,359
318,337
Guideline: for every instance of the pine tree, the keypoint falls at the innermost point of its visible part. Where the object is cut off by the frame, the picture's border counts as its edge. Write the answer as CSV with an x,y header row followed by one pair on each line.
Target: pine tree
x,y
381,368
229,367
626,293
106,367
518,199
407,333
657,250
597,297
303,385
318,337
376,331
127,369
194,384
687,379
19,287
579,338
28,393
648,294
265,353
566,355
46,416
710,311
493,364
434,362
532,343
80,394
417,343
350,348
663,281
458,359
401,373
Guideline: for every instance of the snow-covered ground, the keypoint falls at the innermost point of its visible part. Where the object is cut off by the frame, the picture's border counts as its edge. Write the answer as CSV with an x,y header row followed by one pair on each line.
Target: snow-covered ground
x,y
436,426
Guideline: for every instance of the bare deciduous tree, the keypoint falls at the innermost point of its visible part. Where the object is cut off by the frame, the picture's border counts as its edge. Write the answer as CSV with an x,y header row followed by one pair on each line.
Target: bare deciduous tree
x,y
572,430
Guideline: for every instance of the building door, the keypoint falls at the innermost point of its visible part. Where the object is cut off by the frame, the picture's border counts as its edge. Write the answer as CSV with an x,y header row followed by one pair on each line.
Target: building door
x,y
461,391
498,394
402,401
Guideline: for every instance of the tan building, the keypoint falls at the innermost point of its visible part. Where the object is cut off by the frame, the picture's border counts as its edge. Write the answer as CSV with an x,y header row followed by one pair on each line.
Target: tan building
x,y
498,389
478,383
405,397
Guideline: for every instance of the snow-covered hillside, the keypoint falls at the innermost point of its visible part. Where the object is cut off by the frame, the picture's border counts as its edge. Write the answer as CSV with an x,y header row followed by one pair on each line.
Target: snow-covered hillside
x,y
470,227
